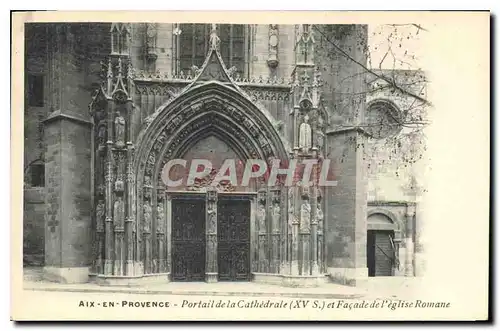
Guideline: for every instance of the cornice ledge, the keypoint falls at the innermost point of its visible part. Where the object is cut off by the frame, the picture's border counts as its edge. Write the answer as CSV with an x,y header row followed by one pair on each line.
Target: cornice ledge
x,y
59,115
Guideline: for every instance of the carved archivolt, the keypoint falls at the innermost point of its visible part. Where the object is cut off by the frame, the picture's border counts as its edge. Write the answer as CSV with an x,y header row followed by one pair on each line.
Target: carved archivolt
x,y
211,110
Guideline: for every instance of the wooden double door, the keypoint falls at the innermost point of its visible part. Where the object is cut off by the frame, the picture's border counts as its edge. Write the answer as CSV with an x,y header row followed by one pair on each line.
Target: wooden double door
x,y
189,249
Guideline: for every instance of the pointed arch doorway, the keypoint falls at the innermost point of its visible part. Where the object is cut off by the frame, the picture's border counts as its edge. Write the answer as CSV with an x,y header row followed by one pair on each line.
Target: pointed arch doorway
x,y
200,231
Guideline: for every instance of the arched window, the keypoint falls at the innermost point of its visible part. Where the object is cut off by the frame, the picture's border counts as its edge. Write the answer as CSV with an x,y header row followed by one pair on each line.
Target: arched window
x,y
192,46
382,119
120,34
34,174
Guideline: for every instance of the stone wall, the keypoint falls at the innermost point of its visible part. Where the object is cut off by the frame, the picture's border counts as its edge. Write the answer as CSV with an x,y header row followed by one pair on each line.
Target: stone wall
x,y
33,227
69,57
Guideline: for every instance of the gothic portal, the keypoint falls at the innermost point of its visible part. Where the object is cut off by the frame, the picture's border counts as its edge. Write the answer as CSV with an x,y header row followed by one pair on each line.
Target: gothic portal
x,y
198,91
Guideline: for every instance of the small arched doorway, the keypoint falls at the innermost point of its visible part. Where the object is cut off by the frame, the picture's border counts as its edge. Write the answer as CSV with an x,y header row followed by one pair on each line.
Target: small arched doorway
x,y
381,246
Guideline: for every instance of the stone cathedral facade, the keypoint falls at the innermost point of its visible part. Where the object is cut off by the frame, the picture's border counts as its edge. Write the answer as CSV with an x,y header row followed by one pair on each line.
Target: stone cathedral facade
x,y
109,104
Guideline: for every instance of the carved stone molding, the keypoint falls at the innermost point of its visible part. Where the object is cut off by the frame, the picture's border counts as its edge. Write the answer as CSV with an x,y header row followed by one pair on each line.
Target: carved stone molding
x,y
258,93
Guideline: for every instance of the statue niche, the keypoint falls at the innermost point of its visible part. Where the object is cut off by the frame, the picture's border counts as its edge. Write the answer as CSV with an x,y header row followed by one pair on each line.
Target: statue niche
x,y
305,135
119,130
119,212
305,210
261,212
147,217
160,218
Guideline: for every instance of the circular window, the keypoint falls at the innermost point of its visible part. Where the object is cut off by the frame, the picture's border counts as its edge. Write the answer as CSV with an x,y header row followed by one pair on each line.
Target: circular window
x,y
382,120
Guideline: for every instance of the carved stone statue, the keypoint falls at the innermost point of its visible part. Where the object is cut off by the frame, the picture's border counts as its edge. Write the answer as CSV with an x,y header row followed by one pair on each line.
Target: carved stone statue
x,y
320,140
261,217
100,214
305,215
305,135
276,216
119,212
319,217
160,218
147,217
119,130
319,212
212,218
101,135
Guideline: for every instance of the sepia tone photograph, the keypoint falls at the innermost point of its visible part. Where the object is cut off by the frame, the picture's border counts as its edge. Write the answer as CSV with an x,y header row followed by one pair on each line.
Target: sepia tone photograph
x,y
241,168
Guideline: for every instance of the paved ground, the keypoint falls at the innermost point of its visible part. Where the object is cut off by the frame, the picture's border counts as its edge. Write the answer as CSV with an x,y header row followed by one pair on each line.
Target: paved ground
x,y
375,288
180,301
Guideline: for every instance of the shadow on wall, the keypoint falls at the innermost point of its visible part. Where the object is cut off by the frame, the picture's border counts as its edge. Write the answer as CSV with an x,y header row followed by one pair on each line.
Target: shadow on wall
x,y
34,227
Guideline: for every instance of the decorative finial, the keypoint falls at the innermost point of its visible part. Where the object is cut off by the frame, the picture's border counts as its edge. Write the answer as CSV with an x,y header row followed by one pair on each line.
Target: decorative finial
x,y
214,39
119,66
110,69
316,77
130,70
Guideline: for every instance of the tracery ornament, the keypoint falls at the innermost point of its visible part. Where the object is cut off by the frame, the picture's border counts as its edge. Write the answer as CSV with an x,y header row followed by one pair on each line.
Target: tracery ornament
x,y
120,38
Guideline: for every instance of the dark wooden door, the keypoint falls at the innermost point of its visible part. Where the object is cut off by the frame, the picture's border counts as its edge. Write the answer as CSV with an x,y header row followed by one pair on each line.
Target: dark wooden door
x,y
233,234
380,253
188,240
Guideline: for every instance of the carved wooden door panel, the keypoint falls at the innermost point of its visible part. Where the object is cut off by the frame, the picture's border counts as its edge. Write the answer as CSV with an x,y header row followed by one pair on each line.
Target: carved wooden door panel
x,y
233,234
384,253
188,240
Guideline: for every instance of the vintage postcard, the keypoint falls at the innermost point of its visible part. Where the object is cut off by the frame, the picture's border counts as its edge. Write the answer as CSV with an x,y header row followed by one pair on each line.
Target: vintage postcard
x,y
250,166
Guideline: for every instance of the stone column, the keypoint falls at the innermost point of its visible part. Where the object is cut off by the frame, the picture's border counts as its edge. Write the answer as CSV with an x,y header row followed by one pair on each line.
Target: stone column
x,y
345,225
160,229
262,230
419,261
168,229
109,176
319,232
147,218
314,231
119,215
275,231
130,184
294,222
305,231
410,214
67,130
211,268
67,216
